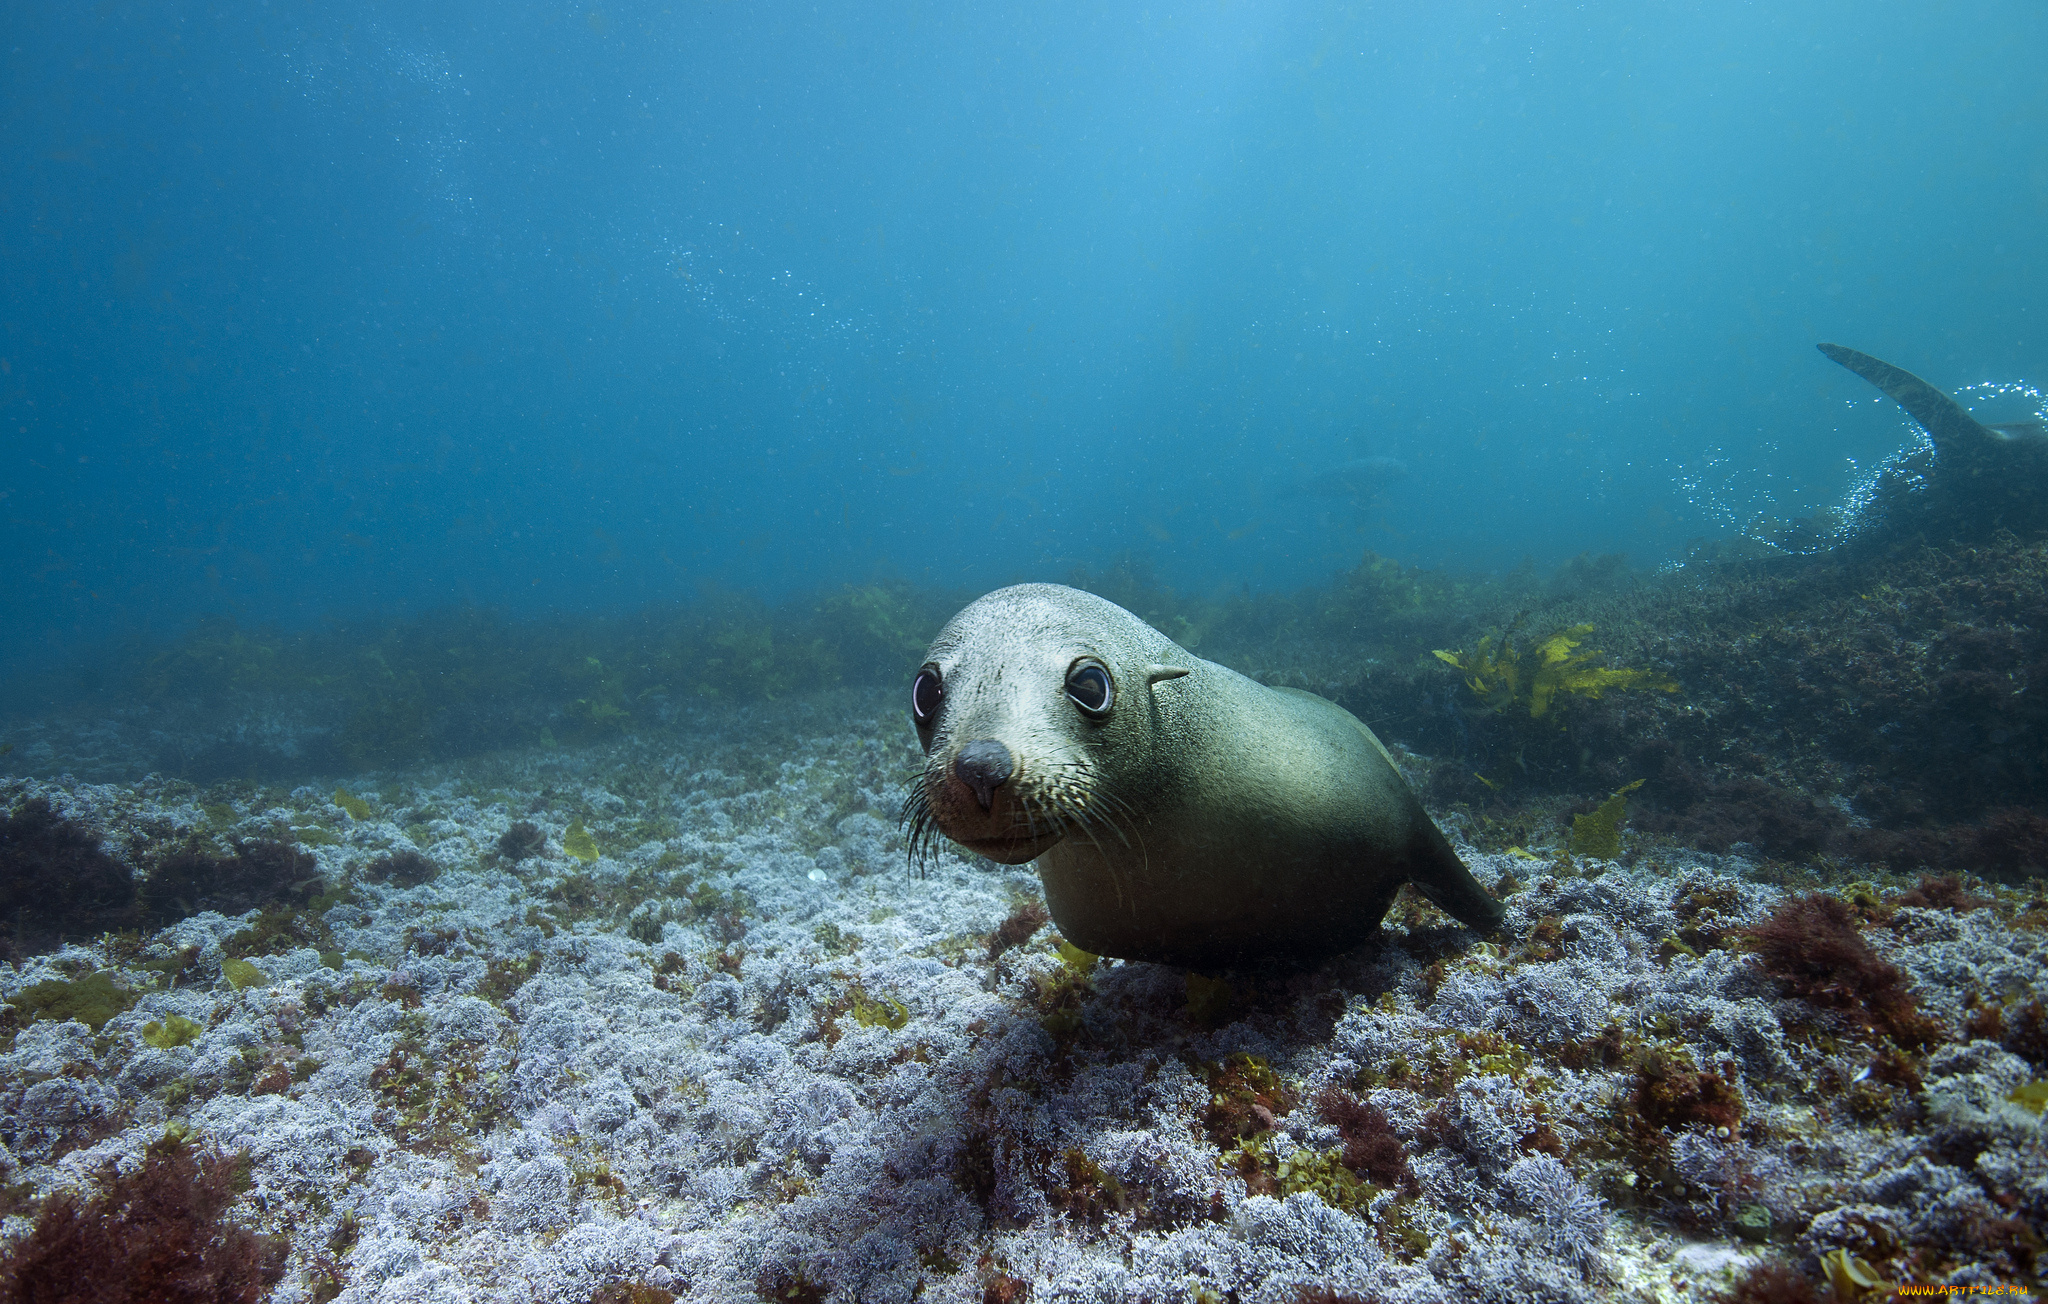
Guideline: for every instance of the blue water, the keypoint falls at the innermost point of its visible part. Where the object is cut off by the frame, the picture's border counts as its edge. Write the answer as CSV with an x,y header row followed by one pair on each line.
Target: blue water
x,y
322,310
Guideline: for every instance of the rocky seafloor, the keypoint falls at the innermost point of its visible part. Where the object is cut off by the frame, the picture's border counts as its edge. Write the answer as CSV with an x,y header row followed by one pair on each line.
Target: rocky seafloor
x,y
672,1017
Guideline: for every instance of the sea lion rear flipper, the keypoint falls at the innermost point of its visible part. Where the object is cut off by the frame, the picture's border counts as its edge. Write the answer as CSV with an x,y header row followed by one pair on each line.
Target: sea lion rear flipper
x,y
1955,432
2032,430
1438,874
1433,867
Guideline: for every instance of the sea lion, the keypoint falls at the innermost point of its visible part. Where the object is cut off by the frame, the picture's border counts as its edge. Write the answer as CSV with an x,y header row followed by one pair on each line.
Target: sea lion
x,y
1178,811
1358,482
1976,478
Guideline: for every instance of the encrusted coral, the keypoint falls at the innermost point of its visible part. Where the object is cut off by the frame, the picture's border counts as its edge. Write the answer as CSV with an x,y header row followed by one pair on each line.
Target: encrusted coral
x,y
1573,1220
649,1073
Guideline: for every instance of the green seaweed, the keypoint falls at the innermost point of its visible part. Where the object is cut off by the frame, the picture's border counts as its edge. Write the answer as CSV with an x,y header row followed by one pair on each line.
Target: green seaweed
x,y
1210,1000
1074,957
578,842
1848,1276
887,616
1381,590
1599,834
240,974
1321,1173
182,963
1090,1191
876,630
1246,1096
1060,993
887,1013
835,942
92,999
1507,679
175,1030
601,707
1752,1222
279,928
746,656
392,728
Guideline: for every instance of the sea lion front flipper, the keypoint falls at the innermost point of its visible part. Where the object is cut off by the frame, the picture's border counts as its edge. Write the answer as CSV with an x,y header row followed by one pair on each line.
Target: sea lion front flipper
x,y
1955,432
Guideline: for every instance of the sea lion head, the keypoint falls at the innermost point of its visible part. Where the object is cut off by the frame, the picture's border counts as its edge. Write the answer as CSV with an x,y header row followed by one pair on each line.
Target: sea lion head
x,y
1020,701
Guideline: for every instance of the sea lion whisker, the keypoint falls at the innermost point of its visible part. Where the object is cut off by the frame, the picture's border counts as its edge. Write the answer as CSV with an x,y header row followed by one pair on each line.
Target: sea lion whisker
x,y
919,826
1108,863
1078,793
1107,796
1087,826
1033,808
1091,805
1116,881
1092,793
1094,820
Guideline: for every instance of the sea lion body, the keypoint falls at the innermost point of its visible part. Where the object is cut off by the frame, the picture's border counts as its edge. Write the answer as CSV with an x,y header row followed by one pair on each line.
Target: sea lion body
x,y
1202,819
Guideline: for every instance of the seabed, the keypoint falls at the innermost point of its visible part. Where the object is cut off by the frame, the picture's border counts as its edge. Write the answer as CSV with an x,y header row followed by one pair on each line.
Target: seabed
x,y
672,1017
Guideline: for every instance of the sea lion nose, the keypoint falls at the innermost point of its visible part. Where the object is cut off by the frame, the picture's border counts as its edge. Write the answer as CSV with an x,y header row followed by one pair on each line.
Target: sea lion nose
x,y
984,765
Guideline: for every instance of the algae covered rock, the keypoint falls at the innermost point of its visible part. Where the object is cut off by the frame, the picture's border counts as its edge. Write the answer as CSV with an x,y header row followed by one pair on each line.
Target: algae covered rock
x,y
56,883
256,873
92,999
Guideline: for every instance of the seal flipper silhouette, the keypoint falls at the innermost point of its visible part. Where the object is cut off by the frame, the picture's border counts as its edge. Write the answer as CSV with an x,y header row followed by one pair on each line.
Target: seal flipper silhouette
x,y
1982,474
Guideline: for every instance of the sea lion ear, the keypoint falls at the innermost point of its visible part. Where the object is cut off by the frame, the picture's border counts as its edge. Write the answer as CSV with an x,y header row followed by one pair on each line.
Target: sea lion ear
x,y
1156,672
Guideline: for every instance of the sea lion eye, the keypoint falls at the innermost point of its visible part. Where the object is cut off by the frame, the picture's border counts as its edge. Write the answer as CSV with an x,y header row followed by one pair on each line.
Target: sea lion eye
x,y
926,695
1089,686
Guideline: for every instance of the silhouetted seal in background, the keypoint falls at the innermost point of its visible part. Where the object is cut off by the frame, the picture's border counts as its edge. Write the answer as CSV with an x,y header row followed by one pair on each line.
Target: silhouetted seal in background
x,y
1981,476
1178,811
